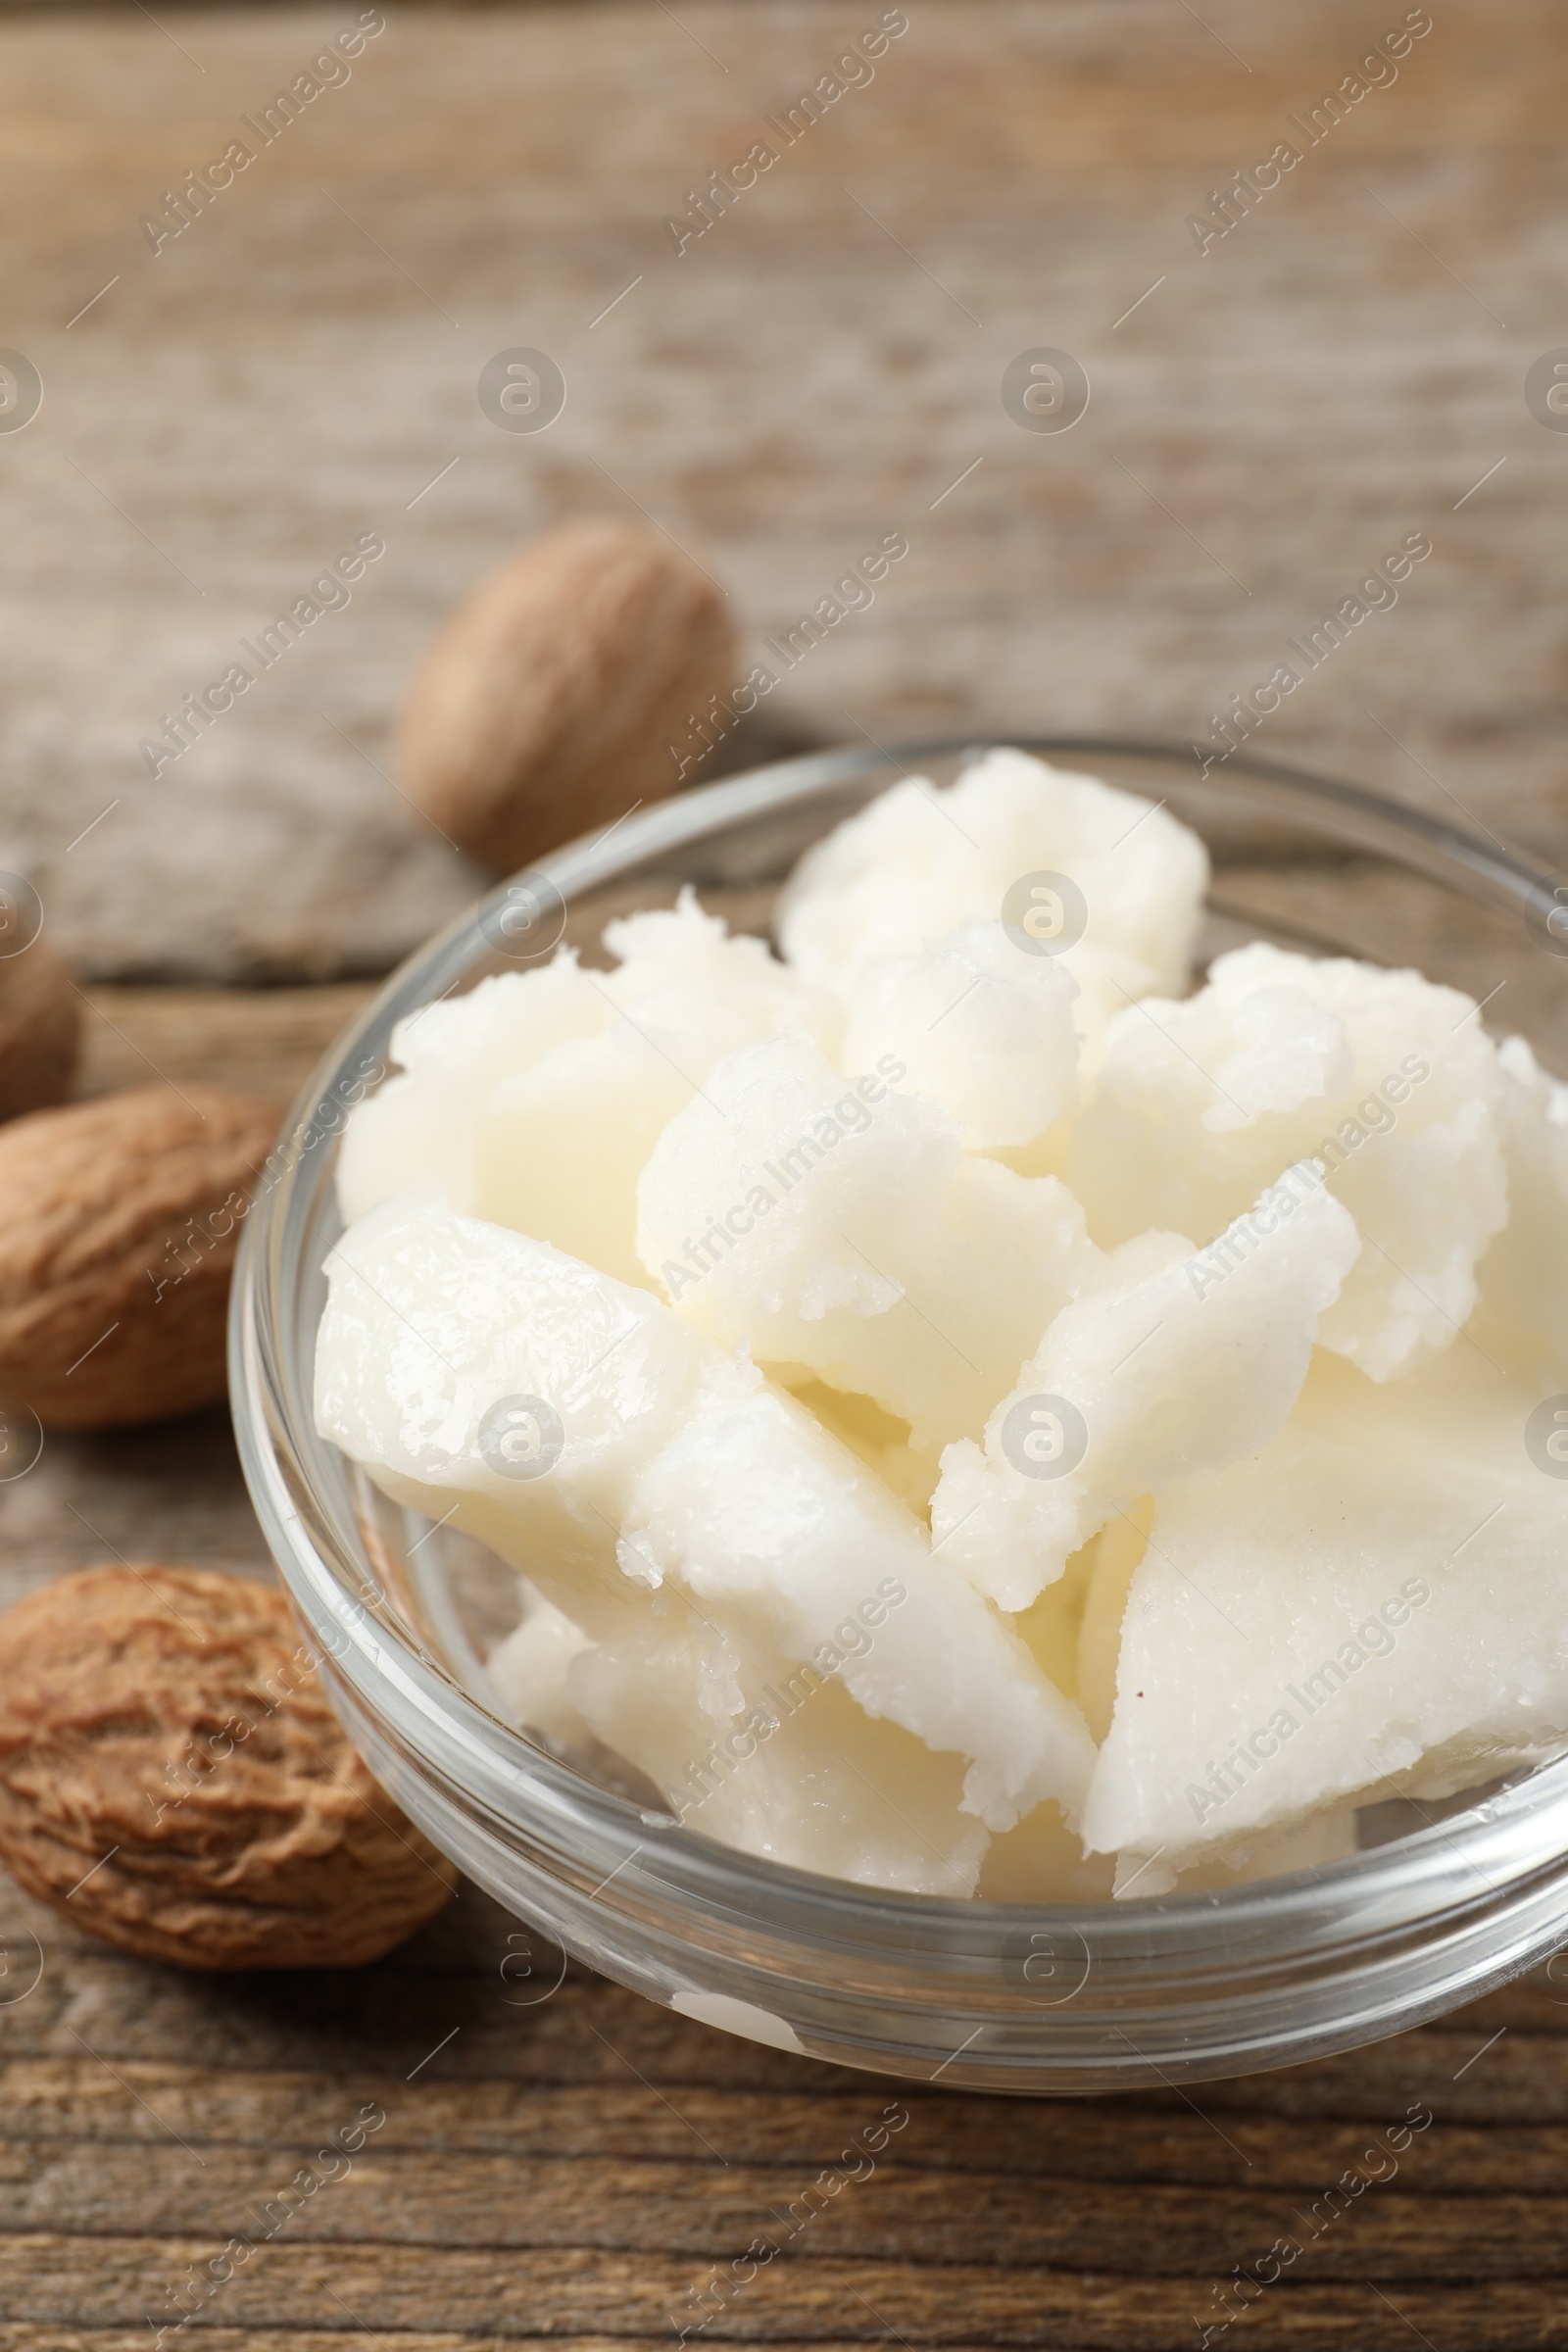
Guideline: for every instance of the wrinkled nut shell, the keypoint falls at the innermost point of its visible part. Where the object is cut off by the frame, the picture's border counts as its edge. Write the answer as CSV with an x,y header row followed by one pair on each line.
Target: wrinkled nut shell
x,y
119,1223
40,1025
172,1721
550,700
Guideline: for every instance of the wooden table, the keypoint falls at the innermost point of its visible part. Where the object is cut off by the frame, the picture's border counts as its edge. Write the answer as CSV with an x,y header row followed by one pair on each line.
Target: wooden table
x,y
569,2172
1267,419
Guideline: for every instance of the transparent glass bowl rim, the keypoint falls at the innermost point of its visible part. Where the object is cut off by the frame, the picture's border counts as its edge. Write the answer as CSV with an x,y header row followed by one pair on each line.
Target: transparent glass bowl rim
x,y
488,1765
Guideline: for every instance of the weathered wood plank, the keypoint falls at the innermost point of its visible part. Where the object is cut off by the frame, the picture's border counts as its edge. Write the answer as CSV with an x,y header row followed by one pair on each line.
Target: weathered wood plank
x,y
76,2103
373,2026
265,1039
713,2212
504,2296
1335,2320
24,2336
1273,418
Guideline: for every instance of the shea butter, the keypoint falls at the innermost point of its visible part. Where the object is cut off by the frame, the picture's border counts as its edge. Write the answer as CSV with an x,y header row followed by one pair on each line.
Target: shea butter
x,y
974,1406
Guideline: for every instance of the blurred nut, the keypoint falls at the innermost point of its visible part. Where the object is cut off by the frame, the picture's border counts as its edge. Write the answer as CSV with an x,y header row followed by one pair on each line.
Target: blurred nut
x,y
40,1022
550,700
119,1222
172,1779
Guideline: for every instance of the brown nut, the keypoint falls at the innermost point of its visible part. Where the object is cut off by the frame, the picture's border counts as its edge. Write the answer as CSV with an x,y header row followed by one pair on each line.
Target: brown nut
x,y
119,1222
549,701
172,1779
40,1025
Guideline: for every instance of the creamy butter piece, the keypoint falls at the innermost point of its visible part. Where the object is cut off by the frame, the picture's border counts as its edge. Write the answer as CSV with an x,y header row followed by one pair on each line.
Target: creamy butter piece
x,y
582,1431
838,1225
692,1285
1174,1372
899,879
1524,1275
1389,1081
1370,1606
599,1061
977,1027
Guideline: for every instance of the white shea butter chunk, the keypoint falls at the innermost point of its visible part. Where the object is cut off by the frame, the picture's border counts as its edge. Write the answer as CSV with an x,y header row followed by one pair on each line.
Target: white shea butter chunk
x,y
415,1132
589,1436
1176,1371
530,1670
745,1745
754,1507
902,875
534,1101
1524,1275
1371,1605
822,1222
796,1775
454,1358
981,1029
1387,1080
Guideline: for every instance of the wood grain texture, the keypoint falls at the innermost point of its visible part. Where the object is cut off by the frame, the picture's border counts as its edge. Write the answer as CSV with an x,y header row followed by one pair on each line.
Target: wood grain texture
x,y
571,2173
572,2170
1267,423
131,1035
300,365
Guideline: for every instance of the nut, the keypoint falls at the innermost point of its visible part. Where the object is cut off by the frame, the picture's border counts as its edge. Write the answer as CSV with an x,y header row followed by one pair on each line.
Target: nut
x,y
549,701
40,1024
119,1221
172,1779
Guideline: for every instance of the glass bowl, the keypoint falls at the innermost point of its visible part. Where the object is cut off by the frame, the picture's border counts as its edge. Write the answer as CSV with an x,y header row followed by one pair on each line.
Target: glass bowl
x,y
1438,1905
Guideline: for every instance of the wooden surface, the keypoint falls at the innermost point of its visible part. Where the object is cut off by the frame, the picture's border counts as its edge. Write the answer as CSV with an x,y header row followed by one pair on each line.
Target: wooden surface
x,y
300,365
1272,419
570,2171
